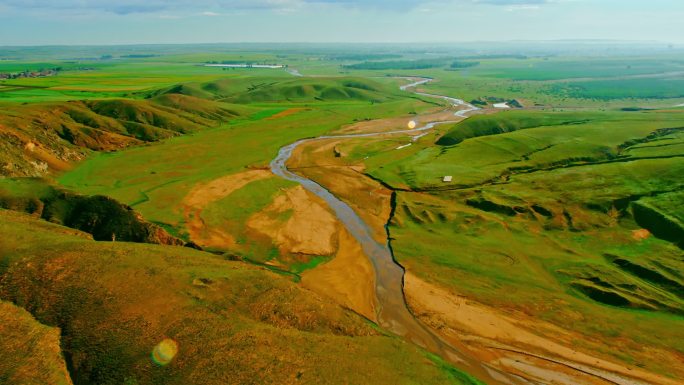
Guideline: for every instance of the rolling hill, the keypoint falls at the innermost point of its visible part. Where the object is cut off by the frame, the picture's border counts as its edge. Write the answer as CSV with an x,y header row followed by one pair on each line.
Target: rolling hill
x,y
41,138
230,322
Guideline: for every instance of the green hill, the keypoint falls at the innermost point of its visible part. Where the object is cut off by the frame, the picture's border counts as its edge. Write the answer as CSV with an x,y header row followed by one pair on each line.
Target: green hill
x,y
41,138
484,125
579,214
268,90
31,353
232,323
103,217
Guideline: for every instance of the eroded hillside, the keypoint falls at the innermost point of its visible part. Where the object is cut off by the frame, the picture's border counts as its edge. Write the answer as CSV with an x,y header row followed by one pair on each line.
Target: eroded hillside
x,y
40,138
232,323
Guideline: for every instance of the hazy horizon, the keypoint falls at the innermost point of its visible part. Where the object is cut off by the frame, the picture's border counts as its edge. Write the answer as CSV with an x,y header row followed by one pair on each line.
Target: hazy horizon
x,y
97,22
354,43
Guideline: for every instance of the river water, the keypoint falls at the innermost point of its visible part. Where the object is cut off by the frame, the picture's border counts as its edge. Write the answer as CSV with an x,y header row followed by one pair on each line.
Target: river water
x,y
392,312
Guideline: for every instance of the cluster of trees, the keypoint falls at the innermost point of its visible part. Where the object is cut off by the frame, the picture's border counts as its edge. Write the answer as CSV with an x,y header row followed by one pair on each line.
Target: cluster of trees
x,y
242,62
463,64
496,56
363,56
138,56
132,56
411,64
42,72
398,64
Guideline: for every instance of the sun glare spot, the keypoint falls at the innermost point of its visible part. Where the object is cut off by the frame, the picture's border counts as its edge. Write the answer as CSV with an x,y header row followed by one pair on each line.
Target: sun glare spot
x,y
412,124
164,352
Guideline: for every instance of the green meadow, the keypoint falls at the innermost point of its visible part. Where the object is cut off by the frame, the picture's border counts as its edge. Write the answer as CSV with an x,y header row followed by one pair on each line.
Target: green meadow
x,y
557,81
553,81
567,210
155,179
522,141
541,215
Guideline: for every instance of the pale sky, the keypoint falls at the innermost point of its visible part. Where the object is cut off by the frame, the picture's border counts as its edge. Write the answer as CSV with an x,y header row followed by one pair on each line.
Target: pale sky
x,y
36,22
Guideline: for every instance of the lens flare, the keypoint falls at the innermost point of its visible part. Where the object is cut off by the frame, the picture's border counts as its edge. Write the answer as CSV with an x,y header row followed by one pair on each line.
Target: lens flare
x,y
164,352
412,124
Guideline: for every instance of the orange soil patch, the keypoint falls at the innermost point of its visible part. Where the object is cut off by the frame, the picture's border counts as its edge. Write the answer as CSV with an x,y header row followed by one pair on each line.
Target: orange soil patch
x,y
641,234
311,229
36,151
391,124
288,112
367,197
53,162
204,194
349,279
507,342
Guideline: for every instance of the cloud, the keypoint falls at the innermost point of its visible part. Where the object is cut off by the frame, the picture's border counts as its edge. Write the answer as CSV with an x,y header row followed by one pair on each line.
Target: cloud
x,y
523,7
387,4
514,2
126,7
123,7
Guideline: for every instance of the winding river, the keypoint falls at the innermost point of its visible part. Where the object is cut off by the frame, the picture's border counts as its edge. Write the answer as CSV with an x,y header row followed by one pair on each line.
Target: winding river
x,y
393,313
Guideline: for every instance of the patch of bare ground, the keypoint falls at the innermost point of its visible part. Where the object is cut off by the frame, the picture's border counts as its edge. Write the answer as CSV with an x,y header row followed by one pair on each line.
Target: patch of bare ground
x,y
298,223
516,343
401,123
204,194
369,199
311,229
349,278
40,154
286,113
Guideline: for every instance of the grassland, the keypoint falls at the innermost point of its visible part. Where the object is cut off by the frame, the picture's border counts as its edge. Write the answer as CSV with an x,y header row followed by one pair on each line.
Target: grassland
x,y
555,68
97,79
232,323
31,352
551,81
244,117
521,141
559,81
544,215
567,212
659,88
539,247
155,180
